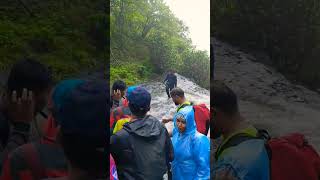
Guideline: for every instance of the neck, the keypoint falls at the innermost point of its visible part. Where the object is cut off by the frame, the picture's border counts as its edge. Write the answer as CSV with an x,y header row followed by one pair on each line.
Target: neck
x,y
183,101
238,123
134,117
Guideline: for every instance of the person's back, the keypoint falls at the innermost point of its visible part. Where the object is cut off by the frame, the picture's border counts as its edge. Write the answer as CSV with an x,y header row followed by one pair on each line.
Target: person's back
x,y
170,82
244,160
142,149
148,158
83,133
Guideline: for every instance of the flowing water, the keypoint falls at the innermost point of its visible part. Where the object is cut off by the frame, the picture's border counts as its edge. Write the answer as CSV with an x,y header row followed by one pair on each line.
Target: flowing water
x,y
266,98
162,107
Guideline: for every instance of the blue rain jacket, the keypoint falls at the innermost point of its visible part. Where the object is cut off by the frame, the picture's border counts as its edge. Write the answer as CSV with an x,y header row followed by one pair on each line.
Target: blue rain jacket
x,y
191,150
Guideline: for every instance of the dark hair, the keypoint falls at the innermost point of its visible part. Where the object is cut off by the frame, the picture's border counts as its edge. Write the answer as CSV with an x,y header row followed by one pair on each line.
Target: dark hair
x,y
139,112
83,153
119,85
29,74
177,92
223,98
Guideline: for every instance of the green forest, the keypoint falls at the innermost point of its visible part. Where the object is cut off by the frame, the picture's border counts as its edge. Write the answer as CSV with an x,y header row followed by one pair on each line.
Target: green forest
x,y
146,39
288,31
69,36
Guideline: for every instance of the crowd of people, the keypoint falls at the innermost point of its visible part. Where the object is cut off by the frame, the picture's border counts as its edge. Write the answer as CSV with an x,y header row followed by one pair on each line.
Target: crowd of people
x,y
141,146
71,141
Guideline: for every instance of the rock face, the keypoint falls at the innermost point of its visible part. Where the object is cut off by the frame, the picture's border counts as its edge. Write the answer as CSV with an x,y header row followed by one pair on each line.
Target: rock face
x,y
266,97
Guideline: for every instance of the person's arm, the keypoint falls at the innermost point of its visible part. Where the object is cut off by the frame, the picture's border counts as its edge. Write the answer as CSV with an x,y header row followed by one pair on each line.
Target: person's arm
x,y
166,120
202,158
166,79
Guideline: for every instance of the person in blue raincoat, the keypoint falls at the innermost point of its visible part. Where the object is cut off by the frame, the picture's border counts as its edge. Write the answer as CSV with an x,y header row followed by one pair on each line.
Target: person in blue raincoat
x,y
191,149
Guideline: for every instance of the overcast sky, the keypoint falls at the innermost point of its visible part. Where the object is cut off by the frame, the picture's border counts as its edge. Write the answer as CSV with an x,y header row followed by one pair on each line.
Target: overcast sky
x,y
196,15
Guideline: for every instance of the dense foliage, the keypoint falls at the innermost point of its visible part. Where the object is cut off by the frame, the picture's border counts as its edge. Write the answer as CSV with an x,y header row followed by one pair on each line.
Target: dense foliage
x,y
67,35
146,32
287,30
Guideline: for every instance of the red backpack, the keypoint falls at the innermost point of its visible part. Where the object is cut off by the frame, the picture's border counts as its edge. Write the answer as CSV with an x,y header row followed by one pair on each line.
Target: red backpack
x,y
202,118
291,156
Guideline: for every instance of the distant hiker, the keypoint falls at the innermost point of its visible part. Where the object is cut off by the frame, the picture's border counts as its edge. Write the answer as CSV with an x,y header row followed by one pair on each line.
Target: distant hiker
x,y
191,149
246,160
142,149
28,87
118,94
121,114
202,113
170,82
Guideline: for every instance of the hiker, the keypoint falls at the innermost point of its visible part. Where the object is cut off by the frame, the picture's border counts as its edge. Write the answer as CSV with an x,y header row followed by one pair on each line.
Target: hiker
x,y
28,87
171,82
202,113
246,160
179,100
122,113
142,149
191,149
83,131
118,91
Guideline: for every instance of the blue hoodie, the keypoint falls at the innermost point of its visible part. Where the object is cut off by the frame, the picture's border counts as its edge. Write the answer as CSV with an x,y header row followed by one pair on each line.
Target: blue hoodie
x,y
191,150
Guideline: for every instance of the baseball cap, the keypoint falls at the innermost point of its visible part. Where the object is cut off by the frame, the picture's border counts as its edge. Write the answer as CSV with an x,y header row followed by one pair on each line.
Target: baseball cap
x,y
130,90
80,107
140,98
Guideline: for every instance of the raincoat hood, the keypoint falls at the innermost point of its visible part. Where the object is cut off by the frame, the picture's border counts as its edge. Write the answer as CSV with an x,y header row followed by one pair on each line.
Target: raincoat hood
x,y
188,114
147,127
191,150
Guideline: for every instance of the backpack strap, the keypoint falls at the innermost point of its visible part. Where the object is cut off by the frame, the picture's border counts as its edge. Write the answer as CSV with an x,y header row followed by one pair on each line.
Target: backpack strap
x,y
33,161
264,134
233,141
182,106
